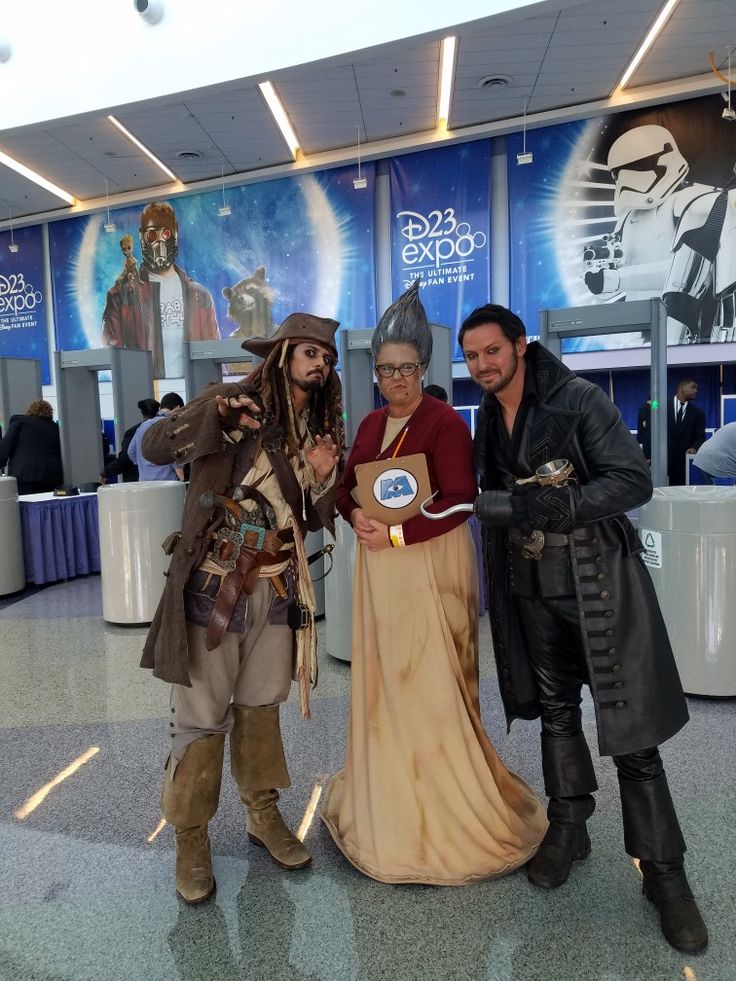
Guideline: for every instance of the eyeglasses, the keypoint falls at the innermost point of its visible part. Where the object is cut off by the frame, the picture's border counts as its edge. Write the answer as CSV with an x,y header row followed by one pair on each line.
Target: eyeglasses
x,y
406,370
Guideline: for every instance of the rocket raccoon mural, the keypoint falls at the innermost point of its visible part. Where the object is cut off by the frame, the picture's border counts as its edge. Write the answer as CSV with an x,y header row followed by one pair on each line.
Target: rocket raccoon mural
x,y
250,305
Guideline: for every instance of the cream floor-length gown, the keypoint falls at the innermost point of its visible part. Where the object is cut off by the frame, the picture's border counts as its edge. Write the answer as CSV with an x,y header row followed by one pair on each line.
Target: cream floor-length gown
x,y
423,796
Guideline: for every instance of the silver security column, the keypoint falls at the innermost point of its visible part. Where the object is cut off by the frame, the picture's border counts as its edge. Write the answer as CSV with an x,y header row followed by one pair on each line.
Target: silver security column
x,y
646,317
20,384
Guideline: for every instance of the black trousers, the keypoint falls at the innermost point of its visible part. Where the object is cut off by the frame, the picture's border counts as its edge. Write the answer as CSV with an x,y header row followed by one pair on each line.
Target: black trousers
x,y
551,629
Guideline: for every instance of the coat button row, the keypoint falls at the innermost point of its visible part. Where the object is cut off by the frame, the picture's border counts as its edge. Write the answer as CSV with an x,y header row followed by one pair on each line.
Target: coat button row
x,y
620,705
605,594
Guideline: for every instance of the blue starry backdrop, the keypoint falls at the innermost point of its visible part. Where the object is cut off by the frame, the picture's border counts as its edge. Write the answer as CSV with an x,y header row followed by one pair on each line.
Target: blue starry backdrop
x,y
312,233
441,229
22,298
562,205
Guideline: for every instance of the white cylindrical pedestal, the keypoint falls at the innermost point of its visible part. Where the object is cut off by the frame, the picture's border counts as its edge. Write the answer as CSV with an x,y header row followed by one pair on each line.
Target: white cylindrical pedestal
x,y
689,537
12,569
339,594
135,519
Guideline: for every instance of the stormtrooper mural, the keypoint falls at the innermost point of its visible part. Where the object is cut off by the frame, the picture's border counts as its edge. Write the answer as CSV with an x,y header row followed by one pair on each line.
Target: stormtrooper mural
x,y
673,238
629,206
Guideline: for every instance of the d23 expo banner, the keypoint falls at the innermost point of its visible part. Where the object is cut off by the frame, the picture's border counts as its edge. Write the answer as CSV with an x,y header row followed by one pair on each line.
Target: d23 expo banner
x,y
22,300
441,228
299,243
631,206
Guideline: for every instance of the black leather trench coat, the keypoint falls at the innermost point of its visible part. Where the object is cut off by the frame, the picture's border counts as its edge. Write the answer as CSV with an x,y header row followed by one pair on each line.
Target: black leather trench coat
x,y
633,677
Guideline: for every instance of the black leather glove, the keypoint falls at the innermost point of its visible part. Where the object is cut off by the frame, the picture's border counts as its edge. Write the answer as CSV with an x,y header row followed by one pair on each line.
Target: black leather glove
x,y
520,515
540,507
594,282
493,508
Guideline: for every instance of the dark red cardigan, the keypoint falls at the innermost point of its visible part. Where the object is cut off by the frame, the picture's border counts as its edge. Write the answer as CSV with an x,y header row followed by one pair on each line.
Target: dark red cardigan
x,y
436,430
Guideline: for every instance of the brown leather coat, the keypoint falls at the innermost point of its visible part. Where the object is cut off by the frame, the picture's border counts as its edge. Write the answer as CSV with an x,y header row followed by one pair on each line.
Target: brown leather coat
x,y
194,435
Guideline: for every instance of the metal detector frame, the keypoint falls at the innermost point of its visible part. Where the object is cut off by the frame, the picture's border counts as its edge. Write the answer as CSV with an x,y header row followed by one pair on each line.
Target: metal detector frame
x,y
647,317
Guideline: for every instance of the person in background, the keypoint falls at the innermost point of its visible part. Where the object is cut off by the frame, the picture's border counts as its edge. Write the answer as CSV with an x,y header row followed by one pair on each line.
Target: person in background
x,y
644,429
147,470
31,450
717,456
685,430
436,392
122,465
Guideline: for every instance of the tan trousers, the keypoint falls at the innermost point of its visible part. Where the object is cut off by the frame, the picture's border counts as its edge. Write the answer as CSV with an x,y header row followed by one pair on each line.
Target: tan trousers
x,y
252,668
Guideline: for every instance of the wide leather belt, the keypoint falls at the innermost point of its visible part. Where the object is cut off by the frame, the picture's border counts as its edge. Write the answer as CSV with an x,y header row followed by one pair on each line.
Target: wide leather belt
x,y
533,545
242,576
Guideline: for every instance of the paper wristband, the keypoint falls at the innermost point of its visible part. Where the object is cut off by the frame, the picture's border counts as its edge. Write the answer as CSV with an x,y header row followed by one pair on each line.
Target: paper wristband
x,y
396,534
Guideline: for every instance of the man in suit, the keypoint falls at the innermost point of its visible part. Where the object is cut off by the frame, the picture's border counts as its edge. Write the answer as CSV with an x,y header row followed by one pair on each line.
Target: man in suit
x,y
122,465
685,430
644,430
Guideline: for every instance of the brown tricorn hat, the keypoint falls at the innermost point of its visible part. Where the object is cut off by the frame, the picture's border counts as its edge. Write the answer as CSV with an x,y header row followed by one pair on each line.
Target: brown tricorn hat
x,y
297,327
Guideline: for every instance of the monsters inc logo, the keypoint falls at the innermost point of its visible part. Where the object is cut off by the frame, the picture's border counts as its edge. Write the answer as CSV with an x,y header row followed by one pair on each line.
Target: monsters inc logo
x,y
395,488
437,239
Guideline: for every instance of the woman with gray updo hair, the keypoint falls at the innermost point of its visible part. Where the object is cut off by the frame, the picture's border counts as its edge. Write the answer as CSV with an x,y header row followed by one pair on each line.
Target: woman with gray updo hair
x,y
423,796
405,322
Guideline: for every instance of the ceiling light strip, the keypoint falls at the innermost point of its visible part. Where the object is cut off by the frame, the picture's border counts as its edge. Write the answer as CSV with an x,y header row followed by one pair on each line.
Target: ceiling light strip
x,y
20,168
447,75
151,156
279,114
654,32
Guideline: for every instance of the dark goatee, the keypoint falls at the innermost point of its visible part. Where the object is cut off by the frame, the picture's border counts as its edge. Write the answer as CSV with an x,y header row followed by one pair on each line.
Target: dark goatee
x,y
310,384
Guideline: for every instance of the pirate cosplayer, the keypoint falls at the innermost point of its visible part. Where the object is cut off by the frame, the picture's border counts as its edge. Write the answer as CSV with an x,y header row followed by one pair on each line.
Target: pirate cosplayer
x,y
572,604
236,620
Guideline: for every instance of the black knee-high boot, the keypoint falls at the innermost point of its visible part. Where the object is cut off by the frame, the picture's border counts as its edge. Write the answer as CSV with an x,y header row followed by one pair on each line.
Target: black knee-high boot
x,y
569,782
652,834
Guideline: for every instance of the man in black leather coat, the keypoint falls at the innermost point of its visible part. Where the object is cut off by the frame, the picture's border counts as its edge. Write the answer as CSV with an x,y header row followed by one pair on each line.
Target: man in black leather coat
x,y
577,606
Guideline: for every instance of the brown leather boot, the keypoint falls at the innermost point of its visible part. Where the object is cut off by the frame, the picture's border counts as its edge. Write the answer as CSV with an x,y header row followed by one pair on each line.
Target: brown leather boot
x,y
188,801
259,767
266,828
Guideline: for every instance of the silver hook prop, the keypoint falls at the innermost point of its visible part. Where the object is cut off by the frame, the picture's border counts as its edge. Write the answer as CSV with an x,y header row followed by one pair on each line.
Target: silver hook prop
x,y
437,516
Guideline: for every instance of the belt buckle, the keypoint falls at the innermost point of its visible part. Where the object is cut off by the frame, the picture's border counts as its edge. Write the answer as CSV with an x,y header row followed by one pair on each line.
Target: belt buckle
x,y
235,539
257,528
532,545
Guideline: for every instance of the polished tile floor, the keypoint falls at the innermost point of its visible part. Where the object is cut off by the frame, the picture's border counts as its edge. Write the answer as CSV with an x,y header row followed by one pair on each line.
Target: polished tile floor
x,y
86,884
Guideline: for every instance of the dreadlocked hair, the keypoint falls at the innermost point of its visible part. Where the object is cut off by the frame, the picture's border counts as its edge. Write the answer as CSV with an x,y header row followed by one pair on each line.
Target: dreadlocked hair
x,y
273,382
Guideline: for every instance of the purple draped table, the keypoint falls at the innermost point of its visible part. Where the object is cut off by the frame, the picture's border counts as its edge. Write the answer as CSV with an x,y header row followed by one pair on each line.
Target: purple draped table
x,y
60,536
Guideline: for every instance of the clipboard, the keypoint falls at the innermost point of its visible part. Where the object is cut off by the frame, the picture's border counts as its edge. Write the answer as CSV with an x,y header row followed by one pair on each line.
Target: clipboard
x,y
392,491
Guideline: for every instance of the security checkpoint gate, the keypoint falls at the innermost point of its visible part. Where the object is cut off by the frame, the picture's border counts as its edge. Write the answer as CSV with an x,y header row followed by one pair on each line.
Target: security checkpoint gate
x,y
205,361
77,391
646,317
